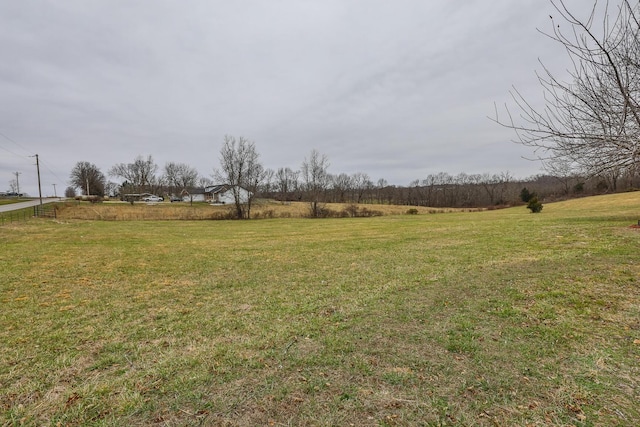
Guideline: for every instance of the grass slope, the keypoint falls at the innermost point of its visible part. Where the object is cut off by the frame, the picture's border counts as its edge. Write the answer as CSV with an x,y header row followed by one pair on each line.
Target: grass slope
x,y
488,318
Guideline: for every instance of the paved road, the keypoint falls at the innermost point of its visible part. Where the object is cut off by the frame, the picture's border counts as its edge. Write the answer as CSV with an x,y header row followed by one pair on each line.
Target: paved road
x,y
27,204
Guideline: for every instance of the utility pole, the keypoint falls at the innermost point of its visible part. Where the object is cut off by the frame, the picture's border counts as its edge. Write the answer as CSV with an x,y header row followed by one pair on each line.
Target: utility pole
x,y
55,194
39,188
88,186
17,174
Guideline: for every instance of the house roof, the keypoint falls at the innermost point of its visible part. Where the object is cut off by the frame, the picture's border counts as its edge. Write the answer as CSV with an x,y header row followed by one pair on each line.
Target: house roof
x,y
212,189
193,191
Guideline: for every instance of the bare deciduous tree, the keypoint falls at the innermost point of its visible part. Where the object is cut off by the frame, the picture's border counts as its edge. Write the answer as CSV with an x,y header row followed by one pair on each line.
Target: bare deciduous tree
x,y
381,185
495,185
316,180
268,183
70,192
361,183
140,175
88,178
563,171
179,176
241,169
286,182
203,181
592,120
13,186
341,185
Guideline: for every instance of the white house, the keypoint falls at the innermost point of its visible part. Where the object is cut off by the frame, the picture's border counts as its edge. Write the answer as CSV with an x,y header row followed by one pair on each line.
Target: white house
x,y
215,194
193,195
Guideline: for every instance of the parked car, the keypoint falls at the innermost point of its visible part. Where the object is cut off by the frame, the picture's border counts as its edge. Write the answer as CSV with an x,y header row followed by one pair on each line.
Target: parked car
x,y
152,198
175,199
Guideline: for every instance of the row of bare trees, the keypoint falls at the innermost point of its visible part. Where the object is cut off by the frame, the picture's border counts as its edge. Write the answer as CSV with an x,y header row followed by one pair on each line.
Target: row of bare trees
x,y
442,189
141,175
241,169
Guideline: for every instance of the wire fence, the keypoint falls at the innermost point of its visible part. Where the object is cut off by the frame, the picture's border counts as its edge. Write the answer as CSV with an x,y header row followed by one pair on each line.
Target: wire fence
x,y
23,215
45,211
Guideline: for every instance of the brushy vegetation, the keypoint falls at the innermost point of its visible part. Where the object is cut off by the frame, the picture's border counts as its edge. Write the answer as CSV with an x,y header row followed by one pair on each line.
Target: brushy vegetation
x,y
487,318
262,209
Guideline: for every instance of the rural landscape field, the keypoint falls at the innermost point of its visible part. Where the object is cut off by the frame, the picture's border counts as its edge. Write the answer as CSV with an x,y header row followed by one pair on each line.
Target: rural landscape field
x,y
491,318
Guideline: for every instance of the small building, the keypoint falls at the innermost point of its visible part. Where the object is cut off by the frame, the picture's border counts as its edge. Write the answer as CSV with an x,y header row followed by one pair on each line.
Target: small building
x,y
193,195
214,194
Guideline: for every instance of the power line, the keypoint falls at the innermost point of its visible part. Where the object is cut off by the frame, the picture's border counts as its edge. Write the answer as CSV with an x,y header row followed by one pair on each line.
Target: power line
x,y
16,144
26,157
11,152
50,171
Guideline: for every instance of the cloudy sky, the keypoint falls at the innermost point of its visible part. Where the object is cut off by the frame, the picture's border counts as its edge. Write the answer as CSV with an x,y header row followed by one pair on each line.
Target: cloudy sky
x,y
396,89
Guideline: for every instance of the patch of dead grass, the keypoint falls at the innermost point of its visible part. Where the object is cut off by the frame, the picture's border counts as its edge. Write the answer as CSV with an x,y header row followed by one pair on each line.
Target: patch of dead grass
x,y
264,209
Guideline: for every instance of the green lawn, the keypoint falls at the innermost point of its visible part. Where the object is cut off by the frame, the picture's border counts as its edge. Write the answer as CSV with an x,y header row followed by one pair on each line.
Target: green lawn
x,y
12,200
491,318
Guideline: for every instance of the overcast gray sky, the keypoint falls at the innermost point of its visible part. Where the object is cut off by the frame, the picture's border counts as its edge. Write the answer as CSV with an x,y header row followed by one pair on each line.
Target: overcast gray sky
x,y
396,89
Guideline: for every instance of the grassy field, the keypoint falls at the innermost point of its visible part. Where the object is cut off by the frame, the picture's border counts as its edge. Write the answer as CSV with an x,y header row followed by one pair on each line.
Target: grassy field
x,y
492,318
18,215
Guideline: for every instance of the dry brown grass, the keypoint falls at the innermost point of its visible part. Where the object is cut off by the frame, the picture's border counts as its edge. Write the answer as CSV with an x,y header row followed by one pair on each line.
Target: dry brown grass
x,y
120,211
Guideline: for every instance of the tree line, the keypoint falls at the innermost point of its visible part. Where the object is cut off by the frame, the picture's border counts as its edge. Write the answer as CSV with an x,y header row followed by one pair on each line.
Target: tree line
x,y
240,168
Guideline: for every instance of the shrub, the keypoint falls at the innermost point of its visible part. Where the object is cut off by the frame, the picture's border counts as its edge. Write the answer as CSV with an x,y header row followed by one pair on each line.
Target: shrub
x,y
534,205
323,212
351,210
364,212
526,195
224,215
354,211
266,214
578,188
412,211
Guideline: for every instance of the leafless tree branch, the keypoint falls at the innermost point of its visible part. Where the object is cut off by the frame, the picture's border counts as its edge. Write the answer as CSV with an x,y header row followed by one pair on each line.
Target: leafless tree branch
x,y
592,120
